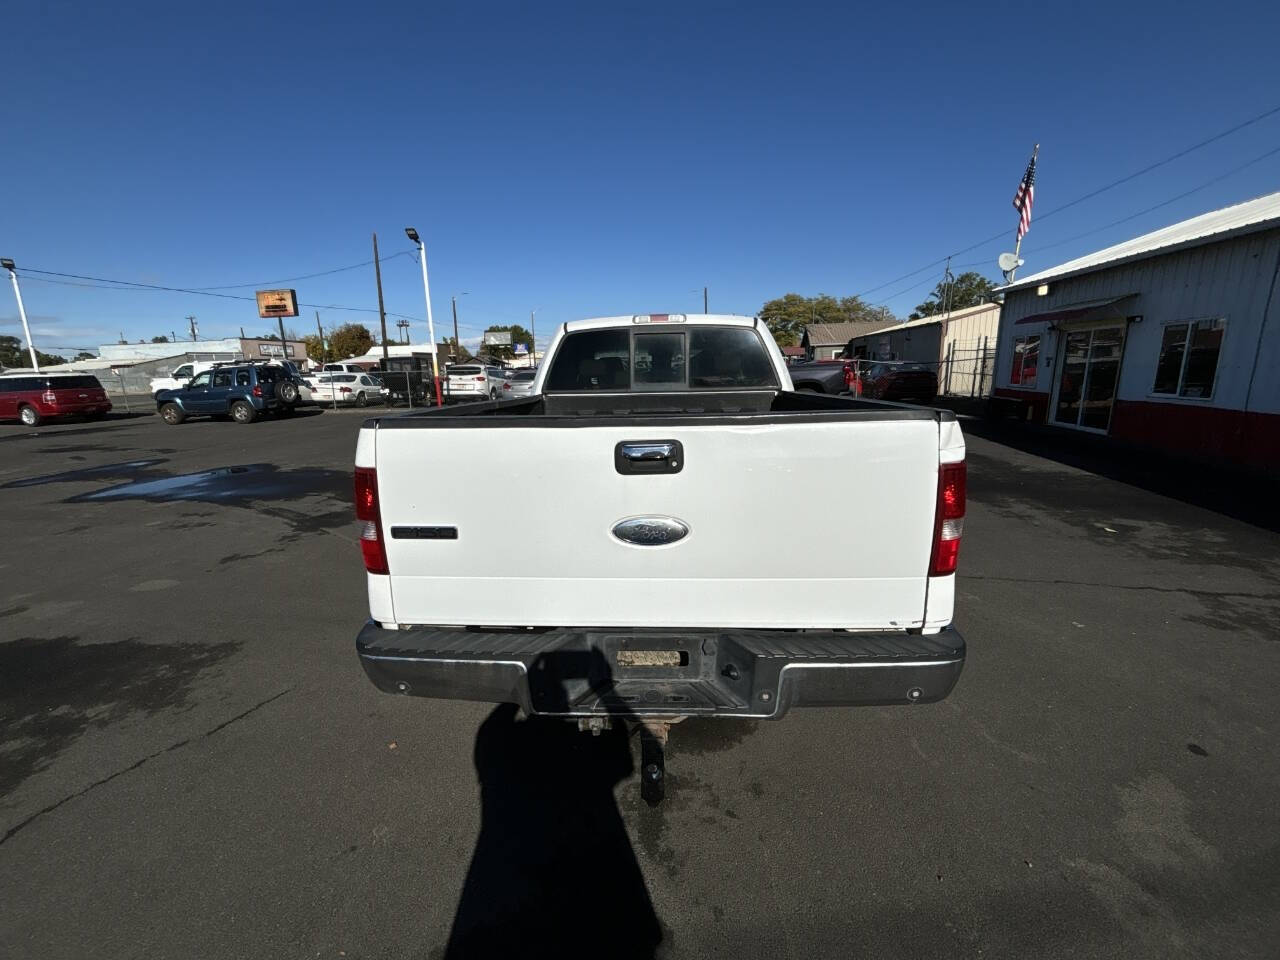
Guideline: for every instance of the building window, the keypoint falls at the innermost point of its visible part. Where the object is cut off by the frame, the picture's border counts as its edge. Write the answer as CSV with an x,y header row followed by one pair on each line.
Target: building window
x,y
1026,360
1188,360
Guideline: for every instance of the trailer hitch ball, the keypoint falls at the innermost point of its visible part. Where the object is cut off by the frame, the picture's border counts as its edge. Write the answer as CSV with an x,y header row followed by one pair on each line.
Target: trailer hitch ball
x,y
914,694
402,687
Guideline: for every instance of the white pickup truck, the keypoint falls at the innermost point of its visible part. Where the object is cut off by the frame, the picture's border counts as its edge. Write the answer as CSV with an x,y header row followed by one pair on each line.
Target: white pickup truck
x,y
656,579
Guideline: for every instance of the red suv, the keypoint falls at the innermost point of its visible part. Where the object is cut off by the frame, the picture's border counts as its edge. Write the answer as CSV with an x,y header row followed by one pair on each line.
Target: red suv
x,y
32,397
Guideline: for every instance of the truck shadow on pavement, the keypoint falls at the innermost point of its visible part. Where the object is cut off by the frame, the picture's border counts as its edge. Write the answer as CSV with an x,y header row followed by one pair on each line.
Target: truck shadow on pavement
x,y
553,873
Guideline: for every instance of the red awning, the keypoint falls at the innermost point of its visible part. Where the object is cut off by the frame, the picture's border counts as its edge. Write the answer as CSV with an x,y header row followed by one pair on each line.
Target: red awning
x,y
1090,310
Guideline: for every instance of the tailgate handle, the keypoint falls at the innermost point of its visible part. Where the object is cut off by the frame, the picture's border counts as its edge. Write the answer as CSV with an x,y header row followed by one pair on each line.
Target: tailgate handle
x,y
648,456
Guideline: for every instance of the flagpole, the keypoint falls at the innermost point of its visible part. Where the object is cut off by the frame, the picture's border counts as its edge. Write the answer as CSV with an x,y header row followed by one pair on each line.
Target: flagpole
x,y
1017,240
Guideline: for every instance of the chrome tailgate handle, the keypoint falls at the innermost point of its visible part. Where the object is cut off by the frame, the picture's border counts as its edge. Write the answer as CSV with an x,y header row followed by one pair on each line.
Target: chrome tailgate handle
x,y
648,456
648,451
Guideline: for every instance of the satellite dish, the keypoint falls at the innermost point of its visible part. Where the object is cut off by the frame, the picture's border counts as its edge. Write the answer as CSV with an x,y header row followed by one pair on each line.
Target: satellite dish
x,y
1009,262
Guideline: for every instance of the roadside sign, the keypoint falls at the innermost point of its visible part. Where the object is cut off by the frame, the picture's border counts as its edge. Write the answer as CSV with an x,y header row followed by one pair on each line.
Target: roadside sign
x,y
497,338
521,349
277,303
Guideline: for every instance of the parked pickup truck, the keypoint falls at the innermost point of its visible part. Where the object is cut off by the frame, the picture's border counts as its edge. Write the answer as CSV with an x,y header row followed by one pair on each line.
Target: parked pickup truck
x,y
656,581
821,376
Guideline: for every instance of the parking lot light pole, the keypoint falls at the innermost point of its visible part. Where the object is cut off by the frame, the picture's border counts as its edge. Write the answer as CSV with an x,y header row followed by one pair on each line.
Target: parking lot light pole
x,y
22,311
412,234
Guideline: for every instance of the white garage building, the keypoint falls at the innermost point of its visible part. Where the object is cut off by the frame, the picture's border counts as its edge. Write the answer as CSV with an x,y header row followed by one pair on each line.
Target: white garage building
x,y
1170,340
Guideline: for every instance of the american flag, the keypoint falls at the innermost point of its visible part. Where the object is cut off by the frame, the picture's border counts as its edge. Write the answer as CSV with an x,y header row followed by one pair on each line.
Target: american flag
x,y
1025,197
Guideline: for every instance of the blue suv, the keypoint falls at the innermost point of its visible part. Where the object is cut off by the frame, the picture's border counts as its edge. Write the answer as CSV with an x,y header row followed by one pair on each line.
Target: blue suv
x,y
240,391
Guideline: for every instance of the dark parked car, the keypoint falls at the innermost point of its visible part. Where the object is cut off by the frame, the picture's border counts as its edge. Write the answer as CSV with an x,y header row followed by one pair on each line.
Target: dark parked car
x,y
242,392
32,397
899,381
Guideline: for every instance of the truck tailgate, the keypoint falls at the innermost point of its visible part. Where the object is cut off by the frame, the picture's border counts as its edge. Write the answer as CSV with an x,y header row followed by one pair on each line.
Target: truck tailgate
x,y
790,525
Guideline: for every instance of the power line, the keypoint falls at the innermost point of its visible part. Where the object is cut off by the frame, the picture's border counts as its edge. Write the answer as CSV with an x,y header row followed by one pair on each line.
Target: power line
x,y
1164,203
308,276
106,283
1088,196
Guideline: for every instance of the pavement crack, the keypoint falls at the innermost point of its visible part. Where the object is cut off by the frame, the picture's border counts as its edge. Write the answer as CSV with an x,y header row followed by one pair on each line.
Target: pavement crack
x,y
1189,591
134,766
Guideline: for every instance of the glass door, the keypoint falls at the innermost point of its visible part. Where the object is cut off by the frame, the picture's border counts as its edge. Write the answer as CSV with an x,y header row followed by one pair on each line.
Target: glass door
x,y
1087,381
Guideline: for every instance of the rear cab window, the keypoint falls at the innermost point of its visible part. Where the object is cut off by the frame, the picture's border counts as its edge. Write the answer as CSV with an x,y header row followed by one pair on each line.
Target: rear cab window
x,y
693,358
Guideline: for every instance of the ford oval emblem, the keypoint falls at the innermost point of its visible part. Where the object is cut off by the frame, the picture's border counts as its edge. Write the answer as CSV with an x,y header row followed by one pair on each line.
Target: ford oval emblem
x,y
650,531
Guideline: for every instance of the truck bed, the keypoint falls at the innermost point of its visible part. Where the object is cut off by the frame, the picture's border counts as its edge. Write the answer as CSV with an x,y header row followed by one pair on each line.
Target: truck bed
x,y
512,513
757,404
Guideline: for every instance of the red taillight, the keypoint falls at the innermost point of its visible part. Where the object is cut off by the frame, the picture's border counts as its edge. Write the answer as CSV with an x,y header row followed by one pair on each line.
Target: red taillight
x,y
49,397
480,379
367,512
506,386
948,523
257,389
344,389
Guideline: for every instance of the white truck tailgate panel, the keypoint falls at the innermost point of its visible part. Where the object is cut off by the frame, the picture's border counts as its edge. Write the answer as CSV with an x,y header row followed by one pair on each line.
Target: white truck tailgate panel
x,y
796,524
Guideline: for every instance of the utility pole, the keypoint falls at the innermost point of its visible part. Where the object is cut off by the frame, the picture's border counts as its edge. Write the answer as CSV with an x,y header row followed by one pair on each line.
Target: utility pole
x,y
195,331
382,310
320,334
173,337
242,336
22,312
704,299
457,347
533,335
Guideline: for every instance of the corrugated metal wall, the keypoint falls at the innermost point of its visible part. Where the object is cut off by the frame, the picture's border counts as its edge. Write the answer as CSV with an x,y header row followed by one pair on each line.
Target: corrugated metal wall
x,y
1231,279
968,353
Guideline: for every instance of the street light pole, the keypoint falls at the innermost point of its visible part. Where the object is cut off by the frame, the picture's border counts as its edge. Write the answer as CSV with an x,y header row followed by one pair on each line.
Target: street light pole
x,y
412,234
533,335
22,312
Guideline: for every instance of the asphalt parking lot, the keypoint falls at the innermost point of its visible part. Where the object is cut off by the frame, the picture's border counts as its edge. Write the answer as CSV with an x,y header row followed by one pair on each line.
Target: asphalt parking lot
x,y
192,763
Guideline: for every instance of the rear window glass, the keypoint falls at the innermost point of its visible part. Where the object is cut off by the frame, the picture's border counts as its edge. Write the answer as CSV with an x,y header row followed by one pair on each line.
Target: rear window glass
x,y
592,360
524,375
344,378
72,383
272,374
463,371
707,358
18,384
727,358
659,360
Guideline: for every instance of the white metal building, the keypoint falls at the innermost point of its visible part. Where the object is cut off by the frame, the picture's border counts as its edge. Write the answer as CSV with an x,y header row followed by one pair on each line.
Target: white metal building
x,y
1168,340
961,344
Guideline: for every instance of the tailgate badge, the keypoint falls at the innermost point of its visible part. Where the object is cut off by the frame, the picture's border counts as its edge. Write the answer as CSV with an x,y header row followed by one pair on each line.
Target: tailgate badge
x,y
650,531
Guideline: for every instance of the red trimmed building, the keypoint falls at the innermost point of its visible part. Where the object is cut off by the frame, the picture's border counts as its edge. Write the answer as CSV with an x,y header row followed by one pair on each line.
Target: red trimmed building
x,y
1170,340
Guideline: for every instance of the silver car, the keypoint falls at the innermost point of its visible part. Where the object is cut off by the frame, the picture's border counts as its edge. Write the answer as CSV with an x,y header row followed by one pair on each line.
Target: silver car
x,y
520,383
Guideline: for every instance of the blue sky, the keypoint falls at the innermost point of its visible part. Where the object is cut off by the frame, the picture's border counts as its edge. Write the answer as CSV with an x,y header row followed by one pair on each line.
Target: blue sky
x,y
594,159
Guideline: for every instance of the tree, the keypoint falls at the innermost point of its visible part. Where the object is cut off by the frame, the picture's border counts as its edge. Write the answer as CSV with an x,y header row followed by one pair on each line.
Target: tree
x,y
787,316
317,350
85,355
967,290
14,354
518,335
350,340
160,339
